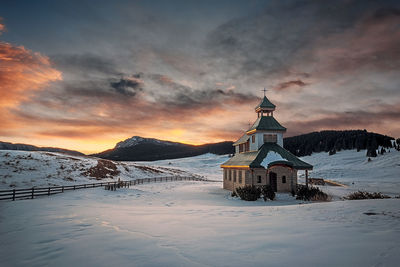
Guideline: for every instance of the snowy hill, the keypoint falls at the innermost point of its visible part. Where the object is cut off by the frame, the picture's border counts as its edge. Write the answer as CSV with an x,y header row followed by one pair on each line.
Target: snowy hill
x,y
23,169
353,169
135,140
26,147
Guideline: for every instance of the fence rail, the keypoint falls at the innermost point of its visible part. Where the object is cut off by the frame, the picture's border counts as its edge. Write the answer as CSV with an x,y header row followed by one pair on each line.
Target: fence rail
x,y
33,192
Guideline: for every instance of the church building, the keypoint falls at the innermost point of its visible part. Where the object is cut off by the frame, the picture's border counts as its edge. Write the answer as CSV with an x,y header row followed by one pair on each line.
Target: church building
x,y
260,158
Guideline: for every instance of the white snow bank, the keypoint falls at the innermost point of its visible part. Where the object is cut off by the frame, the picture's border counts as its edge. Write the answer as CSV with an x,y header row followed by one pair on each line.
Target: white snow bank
x,y
271,157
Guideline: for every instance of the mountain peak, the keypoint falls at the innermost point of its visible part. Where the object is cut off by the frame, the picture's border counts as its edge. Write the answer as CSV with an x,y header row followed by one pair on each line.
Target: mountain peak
x,y
135,140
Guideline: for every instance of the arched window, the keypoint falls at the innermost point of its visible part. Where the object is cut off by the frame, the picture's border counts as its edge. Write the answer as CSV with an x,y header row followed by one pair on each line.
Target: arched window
x,y
259,179
284,179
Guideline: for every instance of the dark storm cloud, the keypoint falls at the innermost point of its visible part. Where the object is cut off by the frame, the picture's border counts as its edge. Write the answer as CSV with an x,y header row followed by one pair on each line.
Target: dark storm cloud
x,y
128,86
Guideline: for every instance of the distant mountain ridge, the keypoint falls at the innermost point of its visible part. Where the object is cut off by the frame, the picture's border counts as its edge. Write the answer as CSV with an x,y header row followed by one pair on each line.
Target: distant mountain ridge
x,y
138,148
26,147
135,140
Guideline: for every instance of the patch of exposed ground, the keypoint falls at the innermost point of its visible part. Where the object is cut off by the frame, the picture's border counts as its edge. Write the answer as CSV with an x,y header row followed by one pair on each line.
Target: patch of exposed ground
x,y
103,169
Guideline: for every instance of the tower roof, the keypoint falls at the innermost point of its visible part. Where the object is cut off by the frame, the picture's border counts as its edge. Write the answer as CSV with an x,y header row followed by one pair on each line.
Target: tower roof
x,y
265,105
266,123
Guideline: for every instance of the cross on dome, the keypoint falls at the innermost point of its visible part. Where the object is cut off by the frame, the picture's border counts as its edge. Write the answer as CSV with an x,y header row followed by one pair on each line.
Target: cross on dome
x,y
264,90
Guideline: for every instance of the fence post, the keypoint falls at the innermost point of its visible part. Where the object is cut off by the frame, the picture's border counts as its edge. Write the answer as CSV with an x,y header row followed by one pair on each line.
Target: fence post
x,y
33,192
13,194
84,185
62,189
74,187
48,192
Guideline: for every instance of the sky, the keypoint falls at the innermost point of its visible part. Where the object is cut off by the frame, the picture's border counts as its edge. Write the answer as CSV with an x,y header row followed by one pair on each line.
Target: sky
x,y
84,74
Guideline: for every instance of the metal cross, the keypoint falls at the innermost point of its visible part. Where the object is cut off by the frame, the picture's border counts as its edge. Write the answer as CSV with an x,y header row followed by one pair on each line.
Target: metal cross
x,y
264,90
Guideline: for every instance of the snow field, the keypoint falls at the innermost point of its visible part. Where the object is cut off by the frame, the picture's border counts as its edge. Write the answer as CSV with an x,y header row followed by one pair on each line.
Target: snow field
x,y
195,224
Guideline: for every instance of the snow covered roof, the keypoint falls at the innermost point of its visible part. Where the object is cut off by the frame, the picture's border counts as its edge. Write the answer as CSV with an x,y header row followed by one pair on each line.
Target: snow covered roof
x,y
269,154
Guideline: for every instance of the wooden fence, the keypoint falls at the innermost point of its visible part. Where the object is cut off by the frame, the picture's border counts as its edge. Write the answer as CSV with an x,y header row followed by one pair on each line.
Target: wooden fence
x,y
33,192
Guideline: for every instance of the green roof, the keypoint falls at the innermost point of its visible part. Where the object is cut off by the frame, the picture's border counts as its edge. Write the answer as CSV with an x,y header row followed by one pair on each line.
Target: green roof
x,y
253,159
265,103
267,123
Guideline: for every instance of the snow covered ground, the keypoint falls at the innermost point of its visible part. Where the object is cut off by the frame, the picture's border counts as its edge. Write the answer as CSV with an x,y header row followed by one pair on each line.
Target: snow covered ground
x,y
24,169
349,167
195,224
199,224
206,165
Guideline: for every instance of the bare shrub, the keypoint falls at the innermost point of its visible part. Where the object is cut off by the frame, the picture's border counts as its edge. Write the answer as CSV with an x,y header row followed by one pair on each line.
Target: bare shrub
x,y
311,193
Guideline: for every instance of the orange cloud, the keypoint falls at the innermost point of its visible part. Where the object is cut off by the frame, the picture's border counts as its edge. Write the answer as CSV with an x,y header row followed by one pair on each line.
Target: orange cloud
x,y
21,73
2,26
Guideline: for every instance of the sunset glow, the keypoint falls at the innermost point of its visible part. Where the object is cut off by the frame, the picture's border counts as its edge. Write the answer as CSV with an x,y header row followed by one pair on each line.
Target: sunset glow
x,y
192,78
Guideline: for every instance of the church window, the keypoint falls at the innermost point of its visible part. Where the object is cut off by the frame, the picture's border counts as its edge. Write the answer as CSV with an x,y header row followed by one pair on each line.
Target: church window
x,y
259,179
240,177
270,138
253,138
230,175
284,179
234,176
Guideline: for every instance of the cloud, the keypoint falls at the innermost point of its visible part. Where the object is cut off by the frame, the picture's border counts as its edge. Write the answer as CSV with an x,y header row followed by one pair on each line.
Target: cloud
x,y
328,65
85,63
372,44
185,97
22,72
128,86
290,85
357,119
2,26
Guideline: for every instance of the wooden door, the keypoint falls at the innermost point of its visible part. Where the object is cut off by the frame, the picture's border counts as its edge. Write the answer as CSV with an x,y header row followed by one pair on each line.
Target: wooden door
x,y
273,181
